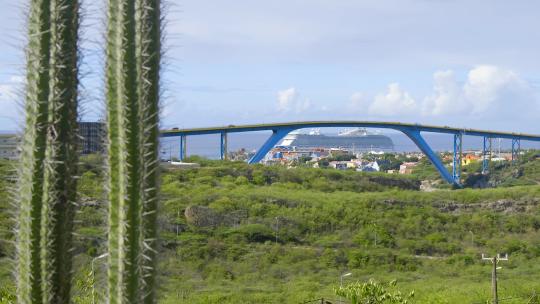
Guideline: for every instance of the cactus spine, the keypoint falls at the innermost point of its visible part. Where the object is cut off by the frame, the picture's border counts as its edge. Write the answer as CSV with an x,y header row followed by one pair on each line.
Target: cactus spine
x,y
46,187
133,59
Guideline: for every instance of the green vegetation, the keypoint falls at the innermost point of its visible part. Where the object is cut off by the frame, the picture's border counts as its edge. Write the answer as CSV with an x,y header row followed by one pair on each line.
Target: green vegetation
x,y
372,292
504,174
421,239
133,60
501,173
219,223
46,191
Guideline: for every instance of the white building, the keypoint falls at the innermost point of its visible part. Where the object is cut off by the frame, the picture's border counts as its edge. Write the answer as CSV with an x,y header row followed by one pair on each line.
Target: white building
x,y
370,167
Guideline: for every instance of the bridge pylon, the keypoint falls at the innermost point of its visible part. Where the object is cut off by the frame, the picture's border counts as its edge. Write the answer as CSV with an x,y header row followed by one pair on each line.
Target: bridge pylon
x,y
486,154
183,148
224,146
421,143
516,150
457,158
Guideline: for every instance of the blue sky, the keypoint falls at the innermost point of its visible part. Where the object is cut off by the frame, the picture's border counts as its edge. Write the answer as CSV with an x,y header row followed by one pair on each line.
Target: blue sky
x,y
459,63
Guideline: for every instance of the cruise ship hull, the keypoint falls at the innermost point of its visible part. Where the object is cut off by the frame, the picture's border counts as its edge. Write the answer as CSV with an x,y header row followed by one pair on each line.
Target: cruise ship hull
x,y
365,142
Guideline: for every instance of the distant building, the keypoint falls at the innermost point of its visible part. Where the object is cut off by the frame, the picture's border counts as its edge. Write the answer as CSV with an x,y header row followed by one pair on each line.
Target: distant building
x,y
340,165
182,165
505,155
319,153
469,159
370,167
9,146
92,137
337,152
407,168
294,155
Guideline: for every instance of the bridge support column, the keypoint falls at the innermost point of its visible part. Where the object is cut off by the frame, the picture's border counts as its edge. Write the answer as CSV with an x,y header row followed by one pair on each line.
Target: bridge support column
x,y
224,144
183,147
516,150
458,153
417,138
486,153
277,135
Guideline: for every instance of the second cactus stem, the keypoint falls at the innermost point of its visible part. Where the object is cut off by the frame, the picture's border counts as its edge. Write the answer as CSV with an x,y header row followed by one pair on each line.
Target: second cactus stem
x,y
132,75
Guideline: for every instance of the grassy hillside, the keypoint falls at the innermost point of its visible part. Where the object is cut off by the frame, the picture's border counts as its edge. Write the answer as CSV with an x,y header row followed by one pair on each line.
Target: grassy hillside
x,y
219,226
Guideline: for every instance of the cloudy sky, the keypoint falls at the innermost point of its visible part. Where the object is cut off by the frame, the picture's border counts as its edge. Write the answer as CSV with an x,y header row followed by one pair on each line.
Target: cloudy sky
x,y
460,63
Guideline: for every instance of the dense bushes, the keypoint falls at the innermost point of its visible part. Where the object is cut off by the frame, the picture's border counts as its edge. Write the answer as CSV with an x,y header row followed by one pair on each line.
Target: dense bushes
x,y
307,178
334,220
423,238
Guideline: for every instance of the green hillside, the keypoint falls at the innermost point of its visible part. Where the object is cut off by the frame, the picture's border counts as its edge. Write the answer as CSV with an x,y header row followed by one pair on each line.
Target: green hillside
x,y
219,226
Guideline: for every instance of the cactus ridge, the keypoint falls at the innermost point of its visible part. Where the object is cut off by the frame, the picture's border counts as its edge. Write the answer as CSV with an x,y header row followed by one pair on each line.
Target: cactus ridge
x,y
46,177
133,59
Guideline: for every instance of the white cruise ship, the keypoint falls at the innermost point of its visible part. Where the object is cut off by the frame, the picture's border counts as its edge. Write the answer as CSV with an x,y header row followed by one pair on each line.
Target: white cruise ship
x,y
357,139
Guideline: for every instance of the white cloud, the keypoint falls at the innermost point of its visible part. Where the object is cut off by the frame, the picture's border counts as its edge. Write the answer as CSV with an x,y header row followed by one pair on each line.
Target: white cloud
x,y
286,98
487,90
289,99
394,102
447,96
488,85
9,98
8,91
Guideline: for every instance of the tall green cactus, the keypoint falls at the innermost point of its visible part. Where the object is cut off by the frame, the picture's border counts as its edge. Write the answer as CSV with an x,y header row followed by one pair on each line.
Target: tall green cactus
x,y
133,60
150,56
47,182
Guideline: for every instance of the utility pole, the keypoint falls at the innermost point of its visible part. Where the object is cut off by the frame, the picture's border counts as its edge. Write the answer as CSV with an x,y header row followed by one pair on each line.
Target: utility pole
x,y
277,228
341,283
494,260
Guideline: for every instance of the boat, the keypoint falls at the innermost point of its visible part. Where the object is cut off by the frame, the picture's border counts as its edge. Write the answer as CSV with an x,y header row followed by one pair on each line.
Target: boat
x,y
356,139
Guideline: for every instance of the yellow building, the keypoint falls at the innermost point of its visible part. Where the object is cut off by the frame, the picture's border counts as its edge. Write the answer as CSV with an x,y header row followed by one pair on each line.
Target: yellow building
x,y
469,159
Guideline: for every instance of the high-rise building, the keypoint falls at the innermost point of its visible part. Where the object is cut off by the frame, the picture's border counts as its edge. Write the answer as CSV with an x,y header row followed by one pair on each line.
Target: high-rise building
x,y
92,137
9,146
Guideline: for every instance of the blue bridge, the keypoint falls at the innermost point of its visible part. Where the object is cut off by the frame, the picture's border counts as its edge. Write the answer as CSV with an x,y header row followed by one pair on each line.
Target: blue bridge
x,y
413,131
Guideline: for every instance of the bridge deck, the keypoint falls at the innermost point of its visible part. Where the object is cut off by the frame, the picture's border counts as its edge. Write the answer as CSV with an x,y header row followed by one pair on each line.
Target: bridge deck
x,y
368,124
